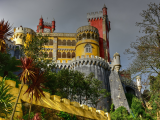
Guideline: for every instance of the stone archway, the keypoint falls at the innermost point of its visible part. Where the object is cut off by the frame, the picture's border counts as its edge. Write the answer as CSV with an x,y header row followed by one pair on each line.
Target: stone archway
x,y
130,90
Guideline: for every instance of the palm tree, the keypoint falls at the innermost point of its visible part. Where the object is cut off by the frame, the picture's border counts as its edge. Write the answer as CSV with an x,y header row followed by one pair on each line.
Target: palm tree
x,y
4,33
35,86
27,66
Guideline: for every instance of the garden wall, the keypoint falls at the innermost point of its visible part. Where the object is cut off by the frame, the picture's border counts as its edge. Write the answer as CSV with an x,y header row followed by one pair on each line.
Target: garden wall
x,y
55,102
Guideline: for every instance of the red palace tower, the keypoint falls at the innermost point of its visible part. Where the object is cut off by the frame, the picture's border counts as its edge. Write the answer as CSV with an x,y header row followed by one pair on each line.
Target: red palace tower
x,y
101,22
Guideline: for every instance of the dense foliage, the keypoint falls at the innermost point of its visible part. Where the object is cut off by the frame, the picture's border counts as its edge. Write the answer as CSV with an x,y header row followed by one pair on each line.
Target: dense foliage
x,y
8,63
66,116
137,110
74,86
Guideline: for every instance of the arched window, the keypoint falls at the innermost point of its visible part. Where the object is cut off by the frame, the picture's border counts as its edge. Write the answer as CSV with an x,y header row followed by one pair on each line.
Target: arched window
x,y
73,43
84,36
68,55
68,43
50,55
88,48
51,42
88,35
64,42
73,54
77,39
92,37
80,37
59,42
96,37
59,54
63,55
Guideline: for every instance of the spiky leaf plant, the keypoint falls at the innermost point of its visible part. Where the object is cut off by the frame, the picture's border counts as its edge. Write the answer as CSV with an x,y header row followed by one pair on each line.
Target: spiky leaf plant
x,y
6,98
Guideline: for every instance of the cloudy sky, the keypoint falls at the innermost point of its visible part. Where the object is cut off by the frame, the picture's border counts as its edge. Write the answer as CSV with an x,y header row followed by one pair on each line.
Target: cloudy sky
x,y
72,14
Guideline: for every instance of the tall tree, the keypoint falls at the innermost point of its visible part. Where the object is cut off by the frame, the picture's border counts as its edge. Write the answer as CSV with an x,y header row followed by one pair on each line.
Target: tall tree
x,y
147,52
35,49
146,48
27,66
32,49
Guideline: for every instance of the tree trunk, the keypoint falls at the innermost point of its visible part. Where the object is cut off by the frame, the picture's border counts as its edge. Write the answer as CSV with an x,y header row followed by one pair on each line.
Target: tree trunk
x,y
22,84
30,106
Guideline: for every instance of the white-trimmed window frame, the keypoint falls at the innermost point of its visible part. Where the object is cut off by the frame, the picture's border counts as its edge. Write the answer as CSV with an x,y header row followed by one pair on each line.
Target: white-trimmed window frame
x,y
88,48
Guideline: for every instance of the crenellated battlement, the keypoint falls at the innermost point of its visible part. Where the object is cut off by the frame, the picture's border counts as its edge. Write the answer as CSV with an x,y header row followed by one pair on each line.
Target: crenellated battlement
x,y
87,28
82,60
93,15
57,103
23,30
19,30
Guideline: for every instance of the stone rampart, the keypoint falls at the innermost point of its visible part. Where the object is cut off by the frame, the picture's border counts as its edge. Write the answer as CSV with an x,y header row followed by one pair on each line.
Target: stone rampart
x,y
87,64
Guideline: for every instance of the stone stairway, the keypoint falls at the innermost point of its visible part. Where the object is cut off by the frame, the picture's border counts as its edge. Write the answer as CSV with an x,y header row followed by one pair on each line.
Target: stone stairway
x,y
117,93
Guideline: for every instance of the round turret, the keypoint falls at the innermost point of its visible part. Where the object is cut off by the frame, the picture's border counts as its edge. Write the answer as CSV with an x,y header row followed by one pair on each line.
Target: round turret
x,y
87,41
19,30
116,54
18,35
116,61
139,83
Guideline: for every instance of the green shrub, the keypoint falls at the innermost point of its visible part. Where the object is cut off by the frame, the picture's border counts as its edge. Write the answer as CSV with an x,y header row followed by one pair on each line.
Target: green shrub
x,y
66,116
137,109
6,104
120,114
129,97
112,108
25,117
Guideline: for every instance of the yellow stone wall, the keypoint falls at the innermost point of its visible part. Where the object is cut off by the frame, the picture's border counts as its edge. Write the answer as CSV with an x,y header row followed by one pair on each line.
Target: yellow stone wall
x,y
55,102
55,50
81,44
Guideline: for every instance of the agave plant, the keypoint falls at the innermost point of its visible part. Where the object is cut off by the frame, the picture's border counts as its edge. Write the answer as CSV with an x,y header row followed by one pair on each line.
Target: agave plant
x,y
27,67
5,99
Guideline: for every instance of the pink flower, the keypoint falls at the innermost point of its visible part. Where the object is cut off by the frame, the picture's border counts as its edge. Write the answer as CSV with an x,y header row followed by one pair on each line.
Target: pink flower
x,y
37,117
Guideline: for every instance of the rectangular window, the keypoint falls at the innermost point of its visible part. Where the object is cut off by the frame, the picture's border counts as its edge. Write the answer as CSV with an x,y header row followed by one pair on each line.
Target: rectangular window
x,y
89,50
86,49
